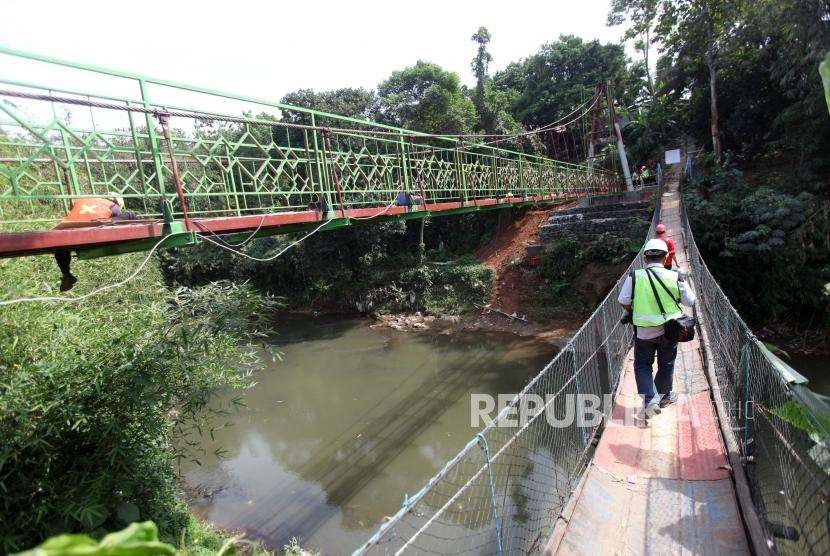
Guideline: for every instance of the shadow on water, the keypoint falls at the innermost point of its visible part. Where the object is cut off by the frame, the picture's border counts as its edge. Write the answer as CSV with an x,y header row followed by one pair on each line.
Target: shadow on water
x,y
346,466
425,377
296,329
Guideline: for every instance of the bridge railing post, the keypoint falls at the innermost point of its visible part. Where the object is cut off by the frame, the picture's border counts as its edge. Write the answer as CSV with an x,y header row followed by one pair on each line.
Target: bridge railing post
x,y
522,177
158,161
745,397
321,165
571,349
460,160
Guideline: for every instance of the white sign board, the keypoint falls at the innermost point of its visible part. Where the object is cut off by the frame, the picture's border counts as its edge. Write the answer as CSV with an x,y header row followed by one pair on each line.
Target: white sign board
x,y
673,156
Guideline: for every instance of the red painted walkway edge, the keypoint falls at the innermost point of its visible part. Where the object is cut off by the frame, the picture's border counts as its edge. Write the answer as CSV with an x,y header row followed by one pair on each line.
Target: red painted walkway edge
x,y
15,244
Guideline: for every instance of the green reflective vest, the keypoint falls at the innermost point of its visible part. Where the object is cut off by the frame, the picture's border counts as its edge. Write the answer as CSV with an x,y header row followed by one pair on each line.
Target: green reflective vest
x,y
644,308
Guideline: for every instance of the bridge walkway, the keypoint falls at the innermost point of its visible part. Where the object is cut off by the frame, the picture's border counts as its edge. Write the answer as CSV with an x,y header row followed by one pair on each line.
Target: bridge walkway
x,y
664,488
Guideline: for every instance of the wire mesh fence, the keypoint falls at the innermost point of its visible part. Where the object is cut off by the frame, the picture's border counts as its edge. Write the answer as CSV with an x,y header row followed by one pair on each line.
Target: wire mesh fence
x,y
503,492
782,427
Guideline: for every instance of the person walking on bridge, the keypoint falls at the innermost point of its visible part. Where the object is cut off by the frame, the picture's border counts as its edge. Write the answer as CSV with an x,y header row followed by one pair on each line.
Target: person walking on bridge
x,y
660,232
646,294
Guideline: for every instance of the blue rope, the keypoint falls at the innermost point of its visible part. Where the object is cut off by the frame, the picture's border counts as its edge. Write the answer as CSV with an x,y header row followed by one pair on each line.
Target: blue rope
x,y
747,393
483,442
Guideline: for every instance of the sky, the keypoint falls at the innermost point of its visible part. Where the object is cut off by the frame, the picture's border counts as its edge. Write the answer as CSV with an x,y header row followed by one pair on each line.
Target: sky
x,y
267,49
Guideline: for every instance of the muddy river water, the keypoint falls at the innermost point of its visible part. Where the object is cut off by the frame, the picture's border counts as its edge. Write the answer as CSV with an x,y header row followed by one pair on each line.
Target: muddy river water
x,y
350,420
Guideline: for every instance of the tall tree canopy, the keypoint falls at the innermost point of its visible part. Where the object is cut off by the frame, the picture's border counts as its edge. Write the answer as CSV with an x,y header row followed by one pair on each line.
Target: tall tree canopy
x,y
351,102
479,65
745,69
427,98
562,74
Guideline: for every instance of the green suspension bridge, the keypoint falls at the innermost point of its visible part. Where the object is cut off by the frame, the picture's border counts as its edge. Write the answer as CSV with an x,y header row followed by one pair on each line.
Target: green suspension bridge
x,y
741,464
195,172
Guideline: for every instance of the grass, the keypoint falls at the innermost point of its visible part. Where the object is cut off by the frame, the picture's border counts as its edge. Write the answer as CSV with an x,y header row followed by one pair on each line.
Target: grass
x,y
89,391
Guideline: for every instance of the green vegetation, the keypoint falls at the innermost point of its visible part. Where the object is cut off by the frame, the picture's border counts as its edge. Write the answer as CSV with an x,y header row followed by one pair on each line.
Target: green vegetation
x,y
95,395
567,286
364,268
801,417
137,539
740,78
774,231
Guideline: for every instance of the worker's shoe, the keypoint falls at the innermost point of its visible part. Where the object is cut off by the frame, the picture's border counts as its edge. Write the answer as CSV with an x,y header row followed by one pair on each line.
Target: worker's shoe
x,y
67,281
668,399
651,409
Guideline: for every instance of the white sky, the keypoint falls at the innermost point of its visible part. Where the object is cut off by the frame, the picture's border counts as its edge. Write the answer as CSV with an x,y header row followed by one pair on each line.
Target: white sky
x,y
266,49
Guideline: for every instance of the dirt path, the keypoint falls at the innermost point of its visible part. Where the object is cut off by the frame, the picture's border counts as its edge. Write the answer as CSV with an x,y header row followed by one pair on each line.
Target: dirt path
x,y
506,252
514,283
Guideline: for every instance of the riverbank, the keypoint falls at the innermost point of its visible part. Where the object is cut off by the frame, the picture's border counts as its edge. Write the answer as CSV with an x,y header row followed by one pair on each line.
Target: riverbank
x,y
482,320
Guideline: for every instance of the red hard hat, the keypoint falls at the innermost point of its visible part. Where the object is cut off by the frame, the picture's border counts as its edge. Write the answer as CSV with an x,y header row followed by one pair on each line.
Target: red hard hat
x,y
660,229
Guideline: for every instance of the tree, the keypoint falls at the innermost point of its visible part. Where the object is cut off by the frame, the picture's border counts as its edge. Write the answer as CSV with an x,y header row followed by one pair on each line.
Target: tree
x,y
688,30
480,65
561,76
349,102
427,98
642,15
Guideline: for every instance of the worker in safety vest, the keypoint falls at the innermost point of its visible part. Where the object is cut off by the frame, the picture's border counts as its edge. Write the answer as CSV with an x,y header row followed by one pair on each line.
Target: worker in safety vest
x,y
639,298
645,175
660,232
87,212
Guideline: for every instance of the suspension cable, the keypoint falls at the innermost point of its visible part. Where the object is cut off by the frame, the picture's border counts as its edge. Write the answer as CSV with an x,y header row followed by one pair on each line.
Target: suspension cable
x,y
271,258
144,262
209,116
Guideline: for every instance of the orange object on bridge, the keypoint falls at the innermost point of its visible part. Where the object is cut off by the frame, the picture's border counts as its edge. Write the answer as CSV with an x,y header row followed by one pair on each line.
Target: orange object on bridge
x,y
87,212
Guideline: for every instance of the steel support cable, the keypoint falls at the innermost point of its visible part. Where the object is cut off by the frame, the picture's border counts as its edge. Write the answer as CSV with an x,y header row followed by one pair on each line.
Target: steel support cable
x,y
546,127
475,476
68,299
271,258
486,448
144,262
382,212
201,225
500,417
507,136
446,488
209,116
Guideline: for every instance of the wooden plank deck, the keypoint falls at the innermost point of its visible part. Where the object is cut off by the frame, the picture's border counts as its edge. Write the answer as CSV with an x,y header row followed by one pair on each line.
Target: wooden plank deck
x,y
664,488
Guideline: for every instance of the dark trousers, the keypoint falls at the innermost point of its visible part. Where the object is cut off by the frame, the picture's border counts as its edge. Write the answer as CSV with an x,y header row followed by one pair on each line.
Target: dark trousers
x,y
64,260
644,352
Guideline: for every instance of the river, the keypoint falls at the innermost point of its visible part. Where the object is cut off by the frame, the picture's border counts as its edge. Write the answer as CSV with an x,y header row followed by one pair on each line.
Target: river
x,y
350,420
816,368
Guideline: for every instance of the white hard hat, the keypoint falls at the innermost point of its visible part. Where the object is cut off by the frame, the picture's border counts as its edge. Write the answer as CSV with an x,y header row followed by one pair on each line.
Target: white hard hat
x,y
657,245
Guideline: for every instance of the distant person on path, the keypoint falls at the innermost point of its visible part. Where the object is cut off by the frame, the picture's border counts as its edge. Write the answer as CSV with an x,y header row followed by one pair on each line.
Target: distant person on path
x,y
87,212
660,231
645,175
638,297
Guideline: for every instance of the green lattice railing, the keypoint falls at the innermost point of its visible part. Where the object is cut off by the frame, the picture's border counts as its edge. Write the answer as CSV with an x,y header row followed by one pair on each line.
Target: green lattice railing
x,y
67,144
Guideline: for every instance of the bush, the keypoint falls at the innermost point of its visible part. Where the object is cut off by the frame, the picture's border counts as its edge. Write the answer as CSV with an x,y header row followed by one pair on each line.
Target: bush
x,y
563,264
372,264
767,247
95,392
